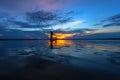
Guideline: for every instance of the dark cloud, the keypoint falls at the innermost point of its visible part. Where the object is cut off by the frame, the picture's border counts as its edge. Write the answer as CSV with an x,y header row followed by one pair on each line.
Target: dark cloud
x,y
40,16
6,33
115,18
102,35
112,24
39,19
47,18
23,24
111,21
2,27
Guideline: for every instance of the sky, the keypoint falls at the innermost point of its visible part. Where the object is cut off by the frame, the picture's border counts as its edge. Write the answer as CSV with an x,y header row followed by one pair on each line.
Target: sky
x,y
34,18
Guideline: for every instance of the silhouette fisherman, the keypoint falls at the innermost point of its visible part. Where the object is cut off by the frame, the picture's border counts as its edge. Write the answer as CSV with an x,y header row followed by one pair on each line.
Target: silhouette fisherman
x,y
52,39
51,35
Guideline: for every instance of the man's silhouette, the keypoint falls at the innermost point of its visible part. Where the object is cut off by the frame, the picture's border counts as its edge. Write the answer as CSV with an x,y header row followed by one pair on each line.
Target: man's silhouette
x,y
51,35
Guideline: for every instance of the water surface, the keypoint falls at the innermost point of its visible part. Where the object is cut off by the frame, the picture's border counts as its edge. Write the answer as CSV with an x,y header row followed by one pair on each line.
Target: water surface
x,y
60,60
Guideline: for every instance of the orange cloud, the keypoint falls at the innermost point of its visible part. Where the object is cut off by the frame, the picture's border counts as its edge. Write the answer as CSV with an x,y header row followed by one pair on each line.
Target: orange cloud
x,y
62,35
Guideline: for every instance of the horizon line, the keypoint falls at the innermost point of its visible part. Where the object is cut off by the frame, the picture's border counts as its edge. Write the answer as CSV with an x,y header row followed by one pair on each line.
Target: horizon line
x,y
68,39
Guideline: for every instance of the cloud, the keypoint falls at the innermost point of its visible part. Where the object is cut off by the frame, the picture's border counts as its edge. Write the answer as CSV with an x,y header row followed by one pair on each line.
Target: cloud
x,y
38,20
84,32
26,29
112,24
2,26
81,31
78,22
111,21
48,19
40,16
23,26
70,25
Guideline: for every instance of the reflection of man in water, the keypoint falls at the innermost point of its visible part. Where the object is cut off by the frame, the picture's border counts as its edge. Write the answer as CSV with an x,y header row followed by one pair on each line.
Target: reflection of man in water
x,y
51,44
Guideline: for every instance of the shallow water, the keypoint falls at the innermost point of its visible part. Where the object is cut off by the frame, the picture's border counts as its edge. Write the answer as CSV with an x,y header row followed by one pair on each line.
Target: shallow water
x,y
60,60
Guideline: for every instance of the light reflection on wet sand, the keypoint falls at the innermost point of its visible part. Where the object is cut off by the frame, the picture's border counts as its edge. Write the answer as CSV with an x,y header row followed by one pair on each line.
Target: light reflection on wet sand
x,y
65,55
61,43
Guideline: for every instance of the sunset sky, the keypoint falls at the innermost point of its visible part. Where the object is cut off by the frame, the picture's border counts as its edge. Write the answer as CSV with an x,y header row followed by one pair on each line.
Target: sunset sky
x,y
34,18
